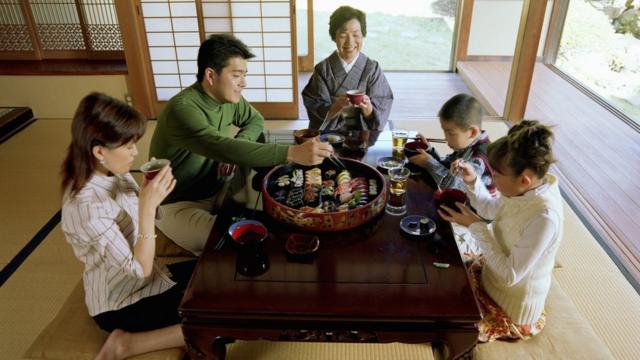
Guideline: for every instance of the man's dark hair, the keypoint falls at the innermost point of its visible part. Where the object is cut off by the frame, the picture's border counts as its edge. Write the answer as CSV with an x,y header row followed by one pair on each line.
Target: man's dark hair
x,y
463,110
342,15
216,51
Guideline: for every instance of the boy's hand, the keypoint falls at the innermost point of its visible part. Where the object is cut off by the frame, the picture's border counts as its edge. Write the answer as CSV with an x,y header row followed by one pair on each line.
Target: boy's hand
x,y
420,159
423,140
466,171
462,216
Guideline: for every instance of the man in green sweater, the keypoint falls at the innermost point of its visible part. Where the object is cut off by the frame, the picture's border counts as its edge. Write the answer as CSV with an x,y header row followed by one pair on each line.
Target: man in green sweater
x,y
193,132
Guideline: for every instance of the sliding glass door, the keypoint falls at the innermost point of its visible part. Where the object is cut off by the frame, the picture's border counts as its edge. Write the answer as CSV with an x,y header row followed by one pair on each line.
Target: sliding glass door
x,y
402,35
600,48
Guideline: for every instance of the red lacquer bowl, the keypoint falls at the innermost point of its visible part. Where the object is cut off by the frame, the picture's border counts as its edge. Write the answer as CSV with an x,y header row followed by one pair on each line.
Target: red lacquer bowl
x,y
411,148
327,221
449,198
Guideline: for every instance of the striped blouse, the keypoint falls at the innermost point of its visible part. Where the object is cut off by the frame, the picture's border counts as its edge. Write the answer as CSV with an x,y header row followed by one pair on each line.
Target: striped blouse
x,y
101,224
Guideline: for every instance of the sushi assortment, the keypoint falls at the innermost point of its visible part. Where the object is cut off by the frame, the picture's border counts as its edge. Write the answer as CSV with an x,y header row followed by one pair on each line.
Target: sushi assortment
x,y
321,192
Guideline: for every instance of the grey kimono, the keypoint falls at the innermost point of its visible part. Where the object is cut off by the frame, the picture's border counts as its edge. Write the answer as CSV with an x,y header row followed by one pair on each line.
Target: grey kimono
x,y
329,80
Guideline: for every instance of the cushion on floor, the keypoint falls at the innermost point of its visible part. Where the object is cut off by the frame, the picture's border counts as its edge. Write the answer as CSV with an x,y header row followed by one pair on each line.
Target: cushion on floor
x,y
567,335
73,335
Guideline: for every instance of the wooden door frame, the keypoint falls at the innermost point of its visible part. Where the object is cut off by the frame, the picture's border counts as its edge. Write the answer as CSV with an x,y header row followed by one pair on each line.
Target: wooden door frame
x,y
306,63
465,16
555,30
139,79
524,59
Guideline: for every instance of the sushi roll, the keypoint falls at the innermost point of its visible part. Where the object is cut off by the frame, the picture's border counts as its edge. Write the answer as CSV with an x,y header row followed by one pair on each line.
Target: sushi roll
x,y
297,178
311,193
313,177
343,177
373,187
280,196
360,187
294,198
330,174
312,184
283,181
343,190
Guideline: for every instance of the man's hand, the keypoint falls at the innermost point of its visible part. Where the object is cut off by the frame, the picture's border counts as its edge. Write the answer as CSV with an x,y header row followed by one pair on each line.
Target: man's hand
x,y
309,153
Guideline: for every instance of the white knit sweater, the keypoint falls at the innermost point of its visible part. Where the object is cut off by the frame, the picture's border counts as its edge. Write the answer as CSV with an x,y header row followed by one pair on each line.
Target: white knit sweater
x,y
519,246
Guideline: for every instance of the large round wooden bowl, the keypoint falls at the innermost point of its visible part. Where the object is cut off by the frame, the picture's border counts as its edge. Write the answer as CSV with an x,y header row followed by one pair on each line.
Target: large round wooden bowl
x,y
328,221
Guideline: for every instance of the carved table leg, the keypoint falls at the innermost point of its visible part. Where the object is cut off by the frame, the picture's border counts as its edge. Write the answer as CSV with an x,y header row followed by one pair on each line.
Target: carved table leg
x,y
219,347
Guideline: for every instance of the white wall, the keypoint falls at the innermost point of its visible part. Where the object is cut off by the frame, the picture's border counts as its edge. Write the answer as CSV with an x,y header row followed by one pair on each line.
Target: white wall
x,y
57,97
494,26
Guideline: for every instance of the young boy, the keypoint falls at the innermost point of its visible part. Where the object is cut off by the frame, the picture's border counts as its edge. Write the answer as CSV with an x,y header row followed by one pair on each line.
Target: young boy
x,y
461,120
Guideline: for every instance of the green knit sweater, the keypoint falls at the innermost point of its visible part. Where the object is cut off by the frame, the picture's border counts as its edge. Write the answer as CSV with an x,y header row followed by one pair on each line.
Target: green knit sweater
x,y
193,132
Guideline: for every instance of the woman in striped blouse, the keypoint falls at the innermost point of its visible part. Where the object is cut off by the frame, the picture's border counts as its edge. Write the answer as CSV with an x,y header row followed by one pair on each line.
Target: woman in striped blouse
x,y
109,222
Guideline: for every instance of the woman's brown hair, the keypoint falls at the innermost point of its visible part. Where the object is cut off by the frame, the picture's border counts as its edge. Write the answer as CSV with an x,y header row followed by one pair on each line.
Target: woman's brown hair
x,y
526,146
99,120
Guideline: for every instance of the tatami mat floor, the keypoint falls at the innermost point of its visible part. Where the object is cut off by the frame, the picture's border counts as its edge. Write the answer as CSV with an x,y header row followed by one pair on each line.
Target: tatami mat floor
x,y
31,297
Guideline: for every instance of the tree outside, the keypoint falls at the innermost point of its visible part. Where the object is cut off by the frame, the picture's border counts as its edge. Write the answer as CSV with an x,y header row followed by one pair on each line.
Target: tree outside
x,y
600,47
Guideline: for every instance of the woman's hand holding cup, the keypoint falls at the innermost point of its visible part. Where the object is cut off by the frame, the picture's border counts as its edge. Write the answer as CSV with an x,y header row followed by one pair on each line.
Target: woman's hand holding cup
x,y
154,191
366,106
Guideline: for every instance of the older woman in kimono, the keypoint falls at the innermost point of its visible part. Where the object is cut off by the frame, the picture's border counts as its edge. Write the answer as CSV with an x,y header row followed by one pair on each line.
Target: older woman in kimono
x,y
347,69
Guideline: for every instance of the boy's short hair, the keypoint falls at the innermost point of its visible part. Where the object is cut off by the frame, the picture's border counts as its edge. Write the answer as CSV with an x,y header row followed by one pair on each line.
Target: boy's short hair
x,y
216,51
463,110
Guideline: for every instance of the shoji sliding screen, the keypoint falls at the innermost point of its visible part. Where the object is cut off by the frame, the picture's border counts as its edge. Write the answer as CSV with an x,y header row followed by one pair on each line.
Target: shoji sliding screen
x,y
173,30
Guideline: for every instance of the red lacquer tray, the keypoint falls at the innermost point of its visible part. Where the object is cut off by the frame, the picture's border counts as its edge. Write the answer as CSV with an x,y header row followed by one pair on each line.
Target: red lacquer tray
x,y
328,221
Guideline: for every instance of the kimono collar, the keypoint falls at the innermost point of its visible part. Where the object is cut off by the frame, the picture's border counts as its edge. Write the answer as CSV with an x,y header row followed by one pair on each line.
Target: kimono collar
x,y
347,66
347,81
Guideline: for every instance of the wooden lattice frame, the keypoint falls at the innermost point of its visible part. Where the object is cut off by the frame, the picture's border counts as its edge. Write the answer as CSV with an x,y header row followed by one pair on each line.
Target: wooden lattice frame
x,y
74,29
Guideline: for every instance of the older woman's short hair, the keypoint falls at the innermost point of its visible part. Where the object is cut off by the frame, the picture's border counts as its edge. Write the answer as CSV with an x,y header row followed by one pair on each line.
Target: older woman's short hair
x,y
344,14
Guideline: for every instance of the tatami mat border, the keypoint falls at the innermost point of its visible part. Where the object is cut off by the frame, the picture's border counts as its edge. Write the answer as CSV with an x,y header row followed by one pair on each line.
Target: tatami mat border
x,y
24,253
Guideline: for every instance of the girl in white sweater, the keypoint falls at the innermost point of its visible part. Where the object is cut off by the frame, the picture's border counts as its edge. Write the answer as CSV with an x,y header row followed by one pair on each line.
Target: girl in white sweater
x,y
513,276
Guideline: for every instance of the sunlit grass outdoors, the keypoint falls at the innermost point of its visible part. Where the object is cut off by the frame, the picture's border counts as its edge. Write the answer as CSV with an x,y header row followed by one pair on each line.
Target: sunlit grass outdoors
x,y
404,35
604,61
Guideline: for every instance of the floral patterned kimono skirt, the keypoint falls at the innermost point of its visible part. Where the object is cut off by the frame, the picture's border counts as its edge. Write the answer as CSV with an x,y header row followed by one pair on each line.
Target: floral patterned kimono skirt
x,y
495,323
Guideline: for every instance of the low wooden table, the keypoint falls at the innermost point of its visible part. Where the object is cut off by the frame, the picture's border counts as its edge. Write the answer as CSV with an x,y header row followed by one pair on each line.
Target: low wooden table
x,y
366,285
14,119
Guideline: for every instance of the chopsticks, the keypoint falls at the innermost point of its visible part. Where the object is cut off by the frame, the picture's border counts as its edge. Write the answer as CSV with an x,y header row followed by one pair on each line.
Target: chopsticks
x,y
334,159
465,157
440,141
